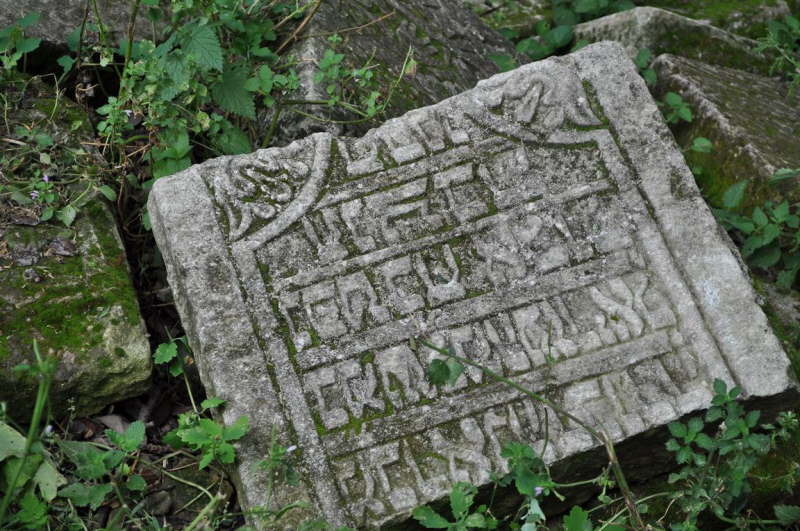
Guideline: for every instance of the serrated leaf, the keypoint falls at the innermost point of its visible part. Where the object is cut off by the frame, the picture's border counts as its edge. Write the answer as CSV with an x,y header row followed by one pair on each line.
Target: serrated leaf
x,y
83,495
787,514
766,257
226,453
202,43
233,141
205,460
165,353
461,498
428,518
704,441
67,215
695,425
577,520
677,429
230,92
733,196
237,430
131,439
438,372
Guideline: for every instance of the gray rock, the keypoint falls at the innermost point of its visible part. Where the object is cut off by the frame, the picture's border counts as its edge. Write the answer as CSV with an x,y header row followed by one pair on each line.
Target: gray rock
x,y
69,288
748,17
450,44
59,18
543,224
662,31
752,121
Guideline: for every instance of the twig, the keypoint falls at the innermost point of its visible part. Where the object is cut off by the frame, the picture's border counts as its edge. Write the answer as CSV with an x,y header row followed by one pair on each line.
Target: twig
x,y
299,28
355,28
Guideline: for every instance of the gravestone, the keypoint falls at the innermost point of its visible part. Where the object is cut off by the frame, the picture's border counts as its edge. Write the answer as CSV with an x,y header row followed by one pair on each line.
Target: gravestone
x,y
451,46
753,122
543,224
663,31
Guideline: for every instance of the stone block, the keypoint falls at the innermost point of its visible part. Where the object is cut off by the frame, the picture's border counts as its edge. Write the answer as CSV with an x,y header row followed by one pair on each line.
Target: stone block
x,y
745,17
69,288
450,44
752,121
59,18
543,224
663,31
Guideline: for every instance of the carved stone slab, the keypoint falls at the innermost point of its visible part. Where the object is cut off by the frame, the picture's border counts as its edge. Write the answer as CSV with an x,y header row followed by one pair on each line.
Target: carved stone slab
x,y
543,223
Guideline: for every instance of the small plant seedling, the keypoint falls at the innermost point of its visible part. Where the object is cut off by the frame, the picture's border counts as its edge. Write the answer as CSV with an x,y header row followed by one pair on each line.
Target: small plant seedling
x,y
675,109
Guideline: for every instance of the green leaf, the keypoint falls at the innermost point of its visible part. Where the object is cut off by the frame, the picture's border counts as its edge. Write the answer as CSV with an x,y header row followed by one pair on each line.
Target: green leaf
x,y
586,6
136,483
702,145
565,17
131,439
32,512
48,479
237,430
108,192
82,495
704,441
781,212
455,368
672,445
28,20
559,36
438,372
211,402
766,257
429,519
165,353
787,514
685,114
677,429
233,141
643,58
28,45
695,425
783,174
649,76
230,94
201,41
66,62
577,520
720,388
12,443
476,520
67,215
733,196
759,218
673,99
504,62
461,498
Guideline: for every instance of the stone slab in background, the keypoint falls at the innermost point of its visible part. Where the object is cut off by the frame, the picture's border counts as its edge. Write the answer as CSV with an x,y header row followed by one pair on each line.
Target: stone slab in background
x,y
69,288
752,121
543,224
745,17
662,31
59,18
452,48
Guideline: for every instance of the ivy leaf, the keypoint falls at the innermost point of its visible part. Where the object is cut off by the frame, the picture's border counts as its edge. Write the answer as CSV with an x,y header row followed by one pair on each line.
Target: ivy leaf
x,y
230,92
429,519
201,41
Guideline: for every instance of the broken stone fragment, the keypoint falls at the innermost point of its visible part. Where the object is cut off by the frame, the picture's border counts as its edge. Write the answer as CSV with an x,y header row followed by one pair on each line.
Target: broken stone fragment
x,y
542,224
662,31
751,120
452,49
745,17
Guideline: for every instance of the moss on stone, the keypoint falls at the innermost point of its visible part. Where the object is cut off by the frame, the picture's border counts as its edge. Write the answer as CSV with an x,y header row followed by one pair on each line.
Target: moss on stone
x,y
746,17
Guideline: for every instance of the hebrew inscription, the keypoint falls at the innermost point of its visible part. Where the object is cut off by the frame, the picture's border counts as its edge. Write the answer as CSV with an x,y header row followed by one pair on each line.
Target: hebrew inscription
x,y
515,223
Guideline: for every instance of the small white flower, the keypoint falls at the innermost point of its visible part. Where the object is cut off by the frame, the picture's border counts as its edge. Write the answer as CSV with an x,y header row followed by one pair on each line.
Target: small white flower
x,y
291,449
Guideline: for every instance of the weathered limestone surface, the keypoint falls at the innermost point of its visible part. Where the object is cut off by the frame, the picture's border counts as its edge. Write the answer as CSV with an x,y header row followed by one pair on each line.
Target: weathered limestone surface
x,y
59,18
752,121
665,32
68,288
449,42
745,17
543,223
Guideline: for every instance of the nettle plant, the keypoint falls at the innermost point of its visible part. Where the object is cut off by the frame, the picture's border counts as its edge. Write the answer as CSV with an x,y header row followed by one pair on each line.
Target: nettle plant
x,y
783,39
769,236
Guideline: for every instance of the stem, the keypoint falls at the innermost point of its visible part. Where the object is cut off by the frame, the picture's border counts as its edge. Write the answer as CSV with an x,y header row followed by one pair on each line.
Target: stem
x,y
601,436
41,399
273,126
207,511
